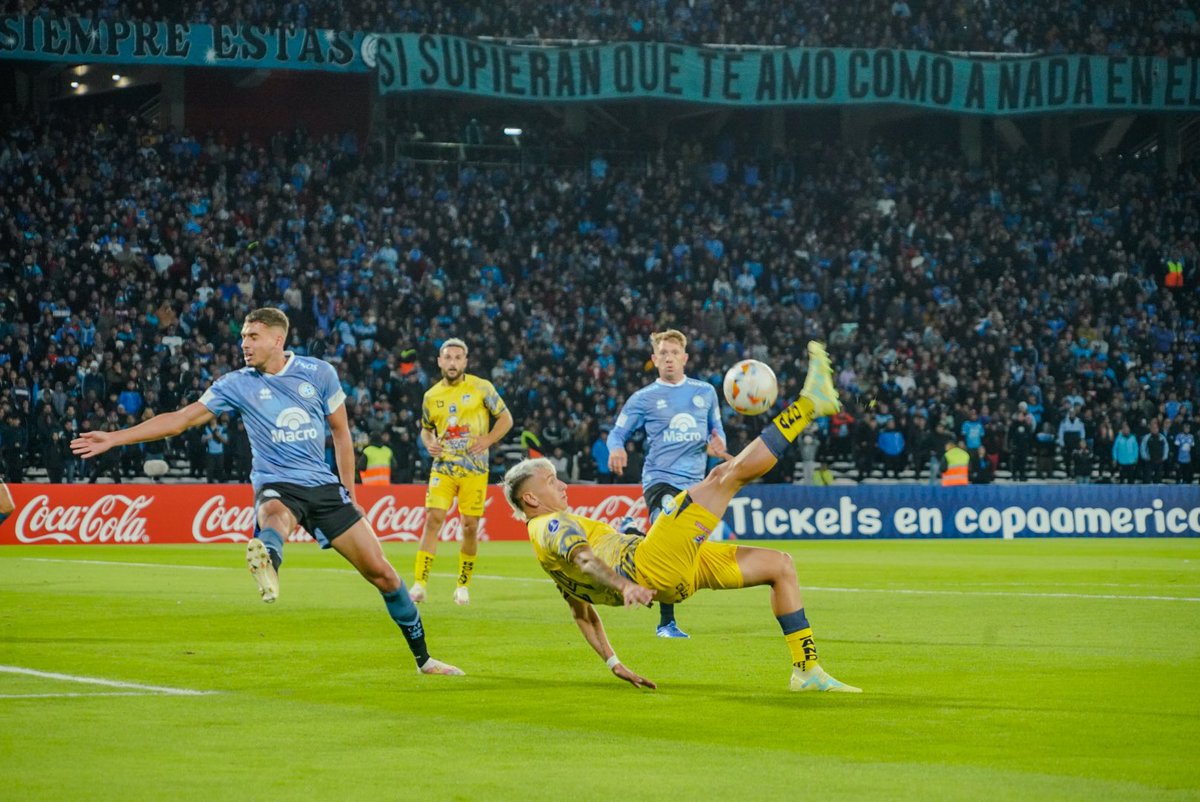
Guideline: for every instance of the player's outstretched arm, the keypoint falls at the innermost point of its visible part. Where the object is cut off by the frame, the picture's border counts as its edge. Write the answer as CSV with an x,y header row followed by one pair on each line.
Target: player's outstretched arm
x,y
589,623
168,424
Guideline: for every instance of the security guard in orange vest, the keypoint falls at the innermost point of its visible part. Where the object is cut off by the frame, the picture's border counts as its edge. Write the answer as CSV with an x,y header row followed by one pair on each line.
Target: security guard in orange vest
x,y
955,473
377,458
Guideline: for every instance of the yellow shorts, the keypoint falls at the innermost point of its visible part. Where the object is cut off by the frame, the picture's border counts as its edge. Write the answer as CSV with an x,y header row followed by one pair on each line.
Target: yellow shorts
x,y
676,558
471,492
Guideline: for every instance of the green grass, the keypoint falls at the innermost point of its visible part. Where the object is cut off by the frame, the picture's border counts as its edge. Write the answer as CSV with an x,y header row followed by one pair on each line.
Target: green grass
x,y
1000,670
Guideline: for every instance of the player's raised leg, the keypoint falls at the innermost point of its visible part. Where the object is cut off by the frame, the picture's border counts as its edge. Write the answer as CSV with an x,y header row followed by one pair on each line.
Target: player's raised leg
x,y
817,399
361,549
264,552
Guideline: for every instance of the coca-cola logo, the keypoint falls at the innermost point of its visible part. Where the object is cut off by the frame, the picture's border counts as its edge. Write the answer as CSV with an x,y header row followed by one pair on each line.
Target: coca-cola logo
x,y
612,510
113,518
215,521
398,522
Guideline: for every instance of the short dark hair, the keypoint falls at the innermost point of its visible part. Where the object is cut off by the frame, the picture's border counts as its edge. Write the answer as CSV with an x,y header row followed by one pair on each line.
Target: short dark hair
x,y
269,316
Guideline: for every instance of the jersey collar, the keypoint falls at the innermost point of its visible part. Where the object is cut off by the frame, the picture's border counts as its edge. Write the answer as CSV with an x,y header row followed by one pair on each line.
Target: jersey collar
x,y
679,383
291,357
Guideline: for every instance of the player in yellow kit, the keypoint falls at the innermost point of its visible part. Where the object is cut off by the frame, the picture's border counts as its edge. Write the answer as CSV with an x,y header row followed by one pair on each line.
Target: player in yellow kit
x,y
457,427
594,564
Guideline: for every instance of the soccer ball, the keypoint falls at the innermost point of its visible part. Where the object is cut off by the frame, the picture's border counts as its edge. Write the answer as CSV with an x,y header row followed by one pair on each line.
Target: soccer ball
x,y
750,387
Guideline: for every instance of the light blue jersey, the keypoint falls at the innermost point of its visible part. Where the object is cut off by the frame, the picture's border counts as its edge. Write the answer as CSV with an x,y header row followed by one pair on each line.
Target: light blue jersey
x,y
285,418
678,419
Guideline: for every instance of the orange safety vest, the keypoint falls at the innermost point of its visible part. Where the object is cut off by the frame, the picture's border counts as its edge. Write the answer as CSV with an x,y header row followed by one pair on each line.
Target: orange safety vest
x,y
956,474
1174,274
379,466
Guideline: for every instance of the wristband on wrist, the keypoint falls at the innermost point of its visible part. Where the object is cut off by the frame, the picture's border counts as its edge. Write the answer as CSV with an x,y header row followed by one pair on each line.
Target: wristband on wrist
x,y
612,661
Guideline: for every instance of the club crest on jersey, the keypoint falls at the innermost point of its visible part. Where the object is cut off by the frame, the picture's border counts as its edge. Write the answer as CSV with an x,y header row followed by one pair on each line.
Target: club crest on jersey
x,y
454,409
698,401
307,390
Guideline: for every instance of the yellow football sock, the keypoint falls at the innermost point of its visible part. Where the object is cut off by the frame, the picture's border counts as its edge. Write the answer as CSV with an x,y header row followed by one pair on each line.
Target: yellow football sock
x,y
423,566
466,567
804,651
795,419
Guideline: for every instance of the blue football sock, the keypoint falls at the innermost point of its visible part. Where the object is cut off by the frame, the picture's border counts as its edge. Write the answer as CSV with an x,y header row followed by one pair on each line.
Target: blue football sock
x,y
4,516
274,543
402,610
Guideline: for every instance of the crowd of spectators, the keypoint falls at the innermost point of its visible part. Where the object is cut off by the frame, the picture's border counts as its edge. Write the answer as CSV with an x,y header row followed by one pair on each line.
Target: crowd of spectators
x,y
1018,305
1154,27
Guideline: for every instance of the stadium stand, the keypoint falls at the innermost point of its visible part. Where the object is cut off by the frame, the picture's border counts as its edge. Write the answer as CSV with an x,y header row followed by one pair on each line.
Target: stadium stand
x,y
956,297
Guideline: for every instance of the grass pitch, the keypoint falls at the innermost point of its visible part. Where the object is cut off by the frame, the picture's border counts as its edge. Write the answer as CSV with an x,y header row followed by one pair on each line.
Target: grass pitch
x,y
1048,669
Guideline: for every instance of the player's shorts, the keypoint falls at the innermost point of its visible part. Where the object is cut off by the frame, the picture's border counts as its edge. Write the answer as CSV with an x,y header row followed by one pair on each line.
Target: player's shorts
x,y
676,558
324,511
655,495
471,492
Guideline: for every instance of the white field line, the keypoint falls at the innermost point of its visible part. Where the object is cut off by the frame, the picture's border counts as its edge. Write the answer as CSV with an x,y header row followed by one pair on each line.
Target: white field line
x,y
897,591
74,695
109,683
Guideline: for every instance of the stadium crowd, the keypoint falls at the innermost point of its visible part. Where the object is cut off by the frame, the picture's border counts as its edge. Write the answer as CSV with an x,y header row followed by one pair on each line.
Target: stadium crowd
x,y
1021,306
1154,27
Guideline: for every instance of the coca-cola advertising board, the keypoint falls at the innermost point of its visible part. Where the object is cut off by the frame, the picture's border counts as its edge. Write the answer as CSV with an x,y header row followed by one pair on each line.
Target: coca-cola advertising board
x,y
144,513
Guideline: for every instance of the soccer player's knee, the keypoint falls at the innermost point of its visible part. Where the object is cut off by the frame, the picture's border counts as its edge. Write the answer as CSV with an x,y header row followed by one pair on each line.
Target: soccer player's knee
x,y
785,566
383,576
723,474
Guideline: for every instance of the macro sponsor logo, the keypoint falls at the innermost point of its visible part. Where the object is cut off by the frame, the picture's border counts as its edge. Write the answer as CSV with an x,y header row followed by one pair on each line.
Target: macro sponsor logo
x,y
683,428
293,425
114,518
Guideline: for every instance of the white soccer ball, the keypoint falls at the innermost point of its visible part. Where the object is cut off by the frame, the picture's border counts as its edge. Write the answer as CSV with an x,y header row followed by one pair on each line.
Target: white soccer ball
x,y
750,387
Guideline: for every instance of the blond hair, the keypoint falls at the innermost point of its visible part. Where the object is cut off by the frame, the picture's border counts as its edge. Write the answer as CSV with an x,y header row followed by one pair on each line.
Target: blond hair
x,y
453,342
516,476
670,335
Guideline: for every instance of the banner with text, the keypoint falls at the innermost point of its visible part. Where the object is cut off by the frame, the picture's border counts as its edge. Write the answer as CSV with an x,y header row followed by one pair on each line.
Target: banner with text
x,y
991,511
410,62
83,514
145,513
117,41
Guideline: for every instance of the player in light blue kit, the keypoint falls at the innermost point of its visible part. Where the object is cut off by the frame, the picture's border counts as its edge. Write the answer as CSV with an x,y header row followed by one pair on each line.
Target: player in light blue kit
x,y
682,419
285,401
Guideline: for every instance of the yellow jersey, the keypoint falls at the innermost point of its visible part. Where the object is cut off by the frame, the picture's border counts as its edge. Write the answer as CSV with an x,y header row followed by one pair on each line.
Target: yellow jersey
x,y
557,535
458,414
